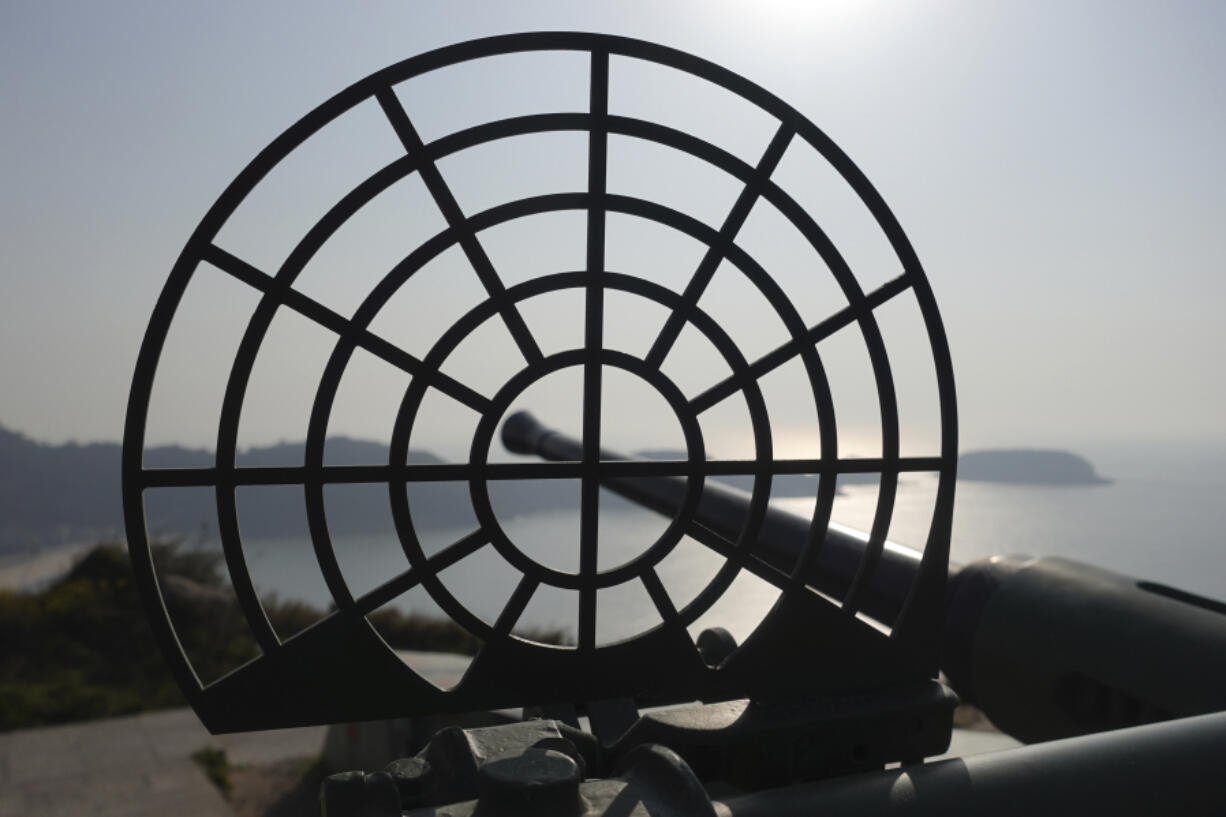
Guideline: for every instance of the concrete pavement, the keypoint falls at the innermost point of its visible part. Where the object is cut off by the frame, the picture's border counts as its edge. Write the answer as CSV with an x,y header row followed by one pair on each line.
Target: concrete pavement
x,y
135,766
141,766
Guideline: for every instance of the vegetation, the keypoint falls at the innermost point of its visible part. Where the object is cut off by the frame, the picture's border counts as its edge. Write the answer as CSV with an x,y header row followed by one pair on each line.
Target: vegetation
x,y
215,765
82,648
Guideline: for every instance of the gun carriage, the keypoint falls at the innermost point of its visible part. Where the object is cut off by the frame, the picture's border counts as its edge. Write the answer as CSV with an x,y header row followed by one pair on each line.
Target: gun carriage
x,y
839,678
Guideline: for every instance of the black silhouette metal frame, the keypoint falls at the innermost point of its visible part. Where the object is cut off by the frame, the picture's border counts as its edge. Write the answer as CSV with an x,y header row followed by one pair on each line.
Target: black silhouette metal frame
x,y
340,669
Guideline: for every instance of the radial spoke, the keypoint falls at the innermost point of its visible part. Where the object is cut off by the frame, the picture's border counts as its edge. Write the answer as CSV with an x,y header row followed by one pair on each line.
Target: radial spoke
x,y
458,550
659,597
718,250
587,617
515,605
593,342
593,339
450,209
462,472
749,562
436,564
782,354
337,474
850,465
310,308
177,477
387,591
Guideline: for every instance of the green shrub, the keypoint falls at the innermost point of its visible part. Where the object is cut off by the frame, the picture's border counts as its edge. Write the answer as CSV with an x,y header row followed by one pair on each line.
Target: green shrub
x,y
216,766
82,648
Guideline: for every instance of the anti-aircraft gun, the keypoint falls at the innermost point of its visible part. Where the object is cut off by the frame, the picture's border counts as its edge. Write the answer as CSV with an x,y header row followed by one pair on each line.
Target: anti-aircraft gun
x,y
1047,647
837,681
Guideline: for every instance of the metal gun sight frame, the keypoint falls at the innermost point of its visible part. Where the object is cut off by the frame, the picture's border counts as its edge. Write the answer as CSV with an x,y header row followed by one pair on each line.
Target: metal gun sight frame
x,y
807,647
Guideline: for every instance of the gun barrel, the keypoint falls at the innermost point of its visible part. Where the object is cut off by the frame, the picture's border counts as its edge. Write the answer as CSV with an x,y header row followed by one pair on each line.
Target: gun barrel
x,y
1048,648
722,511
1164,768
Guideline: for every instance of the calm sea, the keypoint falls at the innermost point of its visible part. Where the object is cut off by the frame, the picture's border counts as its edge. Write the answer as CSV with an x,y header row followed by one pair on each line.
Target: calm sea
x,y
1165,528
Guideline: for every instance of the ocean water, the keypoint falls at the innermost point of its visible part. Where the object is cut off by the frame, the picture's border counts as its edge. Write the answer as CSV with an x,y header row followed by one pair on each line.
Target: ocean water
x,y
1153,527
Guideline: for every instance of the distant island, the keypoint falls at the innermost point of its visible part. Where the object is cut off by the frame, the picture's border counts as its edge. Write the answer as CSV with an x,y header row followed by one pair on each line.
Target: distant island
x,y
1028,466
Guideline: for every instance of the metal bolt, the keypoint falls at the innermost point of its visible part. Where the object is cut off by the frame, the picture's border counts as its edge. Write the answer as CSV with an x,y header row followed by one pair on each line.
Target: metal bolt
x,y
414,778
536,780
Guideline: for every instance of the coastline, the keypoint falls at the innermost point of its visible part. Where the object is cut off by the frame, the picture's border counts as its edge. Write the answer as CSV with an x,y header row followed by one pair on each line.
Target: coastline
x,y
29,569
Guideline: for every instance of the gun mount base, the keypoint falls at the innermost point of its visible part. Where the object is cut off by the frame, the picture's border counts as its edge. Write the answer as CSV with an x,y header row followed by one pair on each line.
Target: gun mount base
x,y
536,766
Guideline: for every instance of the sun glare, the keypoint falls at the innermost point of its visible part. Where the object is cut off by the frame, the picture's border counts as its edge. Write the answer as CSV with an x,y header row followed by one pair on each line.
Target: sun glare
x,y
806,13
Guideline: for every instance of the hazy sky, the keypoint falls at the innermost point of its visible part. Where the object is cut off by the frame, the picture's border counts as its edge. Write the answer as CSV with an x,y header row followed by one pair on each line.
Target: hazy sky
x,y
1059,167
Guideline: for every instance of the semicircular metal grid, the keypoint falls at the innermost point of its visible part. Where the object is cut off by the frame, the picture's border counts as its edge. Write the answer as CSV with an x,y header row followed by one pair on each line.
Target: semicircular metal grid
x,y
311,677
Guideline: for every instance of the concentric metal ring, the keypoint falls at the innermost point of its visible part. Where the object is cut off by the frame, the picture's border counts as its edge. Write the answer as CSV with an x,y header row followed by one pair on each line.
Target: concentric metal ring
x,y
502,303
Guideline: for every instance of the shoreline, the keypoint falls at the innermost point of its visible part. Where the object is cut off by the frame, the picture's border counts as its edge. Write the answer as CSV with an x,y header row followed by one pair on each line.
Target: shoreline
x,y
28,569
